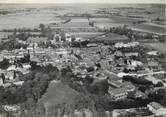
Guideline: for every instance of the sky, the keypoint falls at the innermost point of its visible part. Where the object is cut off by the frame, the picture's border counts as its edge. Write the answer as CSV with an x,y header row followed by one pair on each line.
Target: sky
x,y
83,1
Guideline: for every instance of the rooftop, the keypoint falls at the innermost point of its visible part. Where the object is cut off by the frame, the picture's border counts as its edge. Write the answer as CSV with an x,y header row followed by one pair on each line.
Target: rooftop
x,y
156,105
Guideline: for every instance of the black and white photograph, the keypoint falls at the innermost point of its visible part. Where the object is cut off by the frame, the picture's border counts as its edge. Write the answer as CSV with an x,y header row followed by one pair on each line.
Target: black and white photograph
x,y
82,58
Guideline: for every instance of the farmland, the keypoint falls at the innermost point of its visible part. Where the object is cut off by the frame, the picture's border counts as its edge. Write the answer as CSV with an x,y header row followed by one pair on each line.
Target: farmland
x,y
101,20
114,21
81,22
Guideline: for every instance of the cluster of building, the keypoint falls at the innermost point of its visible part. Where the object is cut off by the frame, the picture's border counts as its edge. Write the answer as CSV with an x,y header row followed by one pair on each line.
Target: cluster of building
x,y
100,61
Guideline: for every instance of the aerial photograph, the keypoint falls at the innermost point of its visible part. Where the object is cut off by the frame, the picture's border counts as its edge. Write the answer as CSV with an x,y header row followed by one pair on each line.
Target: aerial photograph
x,y
82,58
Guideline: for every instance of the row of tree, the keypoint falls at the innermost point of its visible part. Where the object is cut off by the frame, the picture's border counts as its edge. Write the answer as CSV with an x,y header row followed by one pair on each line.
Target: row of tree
x,y
134,35
12,44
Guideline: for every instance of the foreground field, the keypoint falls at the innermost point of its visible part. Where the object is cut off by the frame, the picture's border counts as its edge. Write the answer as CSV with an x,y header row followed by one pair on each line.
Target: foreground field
x,y
58,93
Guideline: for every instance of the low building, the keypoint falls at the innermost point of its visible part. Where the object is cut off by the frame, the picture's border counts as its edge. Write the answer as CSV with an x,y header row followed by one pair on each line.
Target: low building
x,y
140,94
18,83
157,109
131,54
126,45
153,65
153,53
122,92
68,37
118,93
132,112
118,54
11,68
116,84
135,63
92,45
10,75
153,79
11,108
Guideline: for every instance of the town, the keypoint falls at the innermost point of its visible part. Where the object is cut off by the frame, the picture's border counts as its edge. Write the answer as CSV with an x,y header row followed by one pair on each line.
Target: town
x,y
80,68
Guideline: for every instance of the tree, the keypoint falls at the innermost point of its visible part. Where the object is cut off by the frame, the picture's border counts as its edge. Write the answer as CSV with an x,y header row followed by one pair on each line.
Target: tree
x,y
159,84
73,38
42,27
23,36
67,78
100,87
4,64
91,23
162,38
90,69
88,80
57,38
43,30
157,19
63,38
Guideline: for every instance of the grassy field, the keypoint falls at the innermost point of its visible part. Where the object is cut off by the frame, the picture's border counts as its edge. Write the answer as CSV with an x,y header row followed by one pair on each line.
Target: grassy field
x,y
58,93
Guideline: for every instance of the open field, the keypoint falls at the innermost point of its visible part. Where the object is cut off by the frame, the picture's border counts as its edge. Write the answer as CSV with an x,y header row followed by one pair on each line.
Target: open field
x,y
114,21
58,93
101,20
79,20
28,20
30,16
120,19
150,28
87,34
161,47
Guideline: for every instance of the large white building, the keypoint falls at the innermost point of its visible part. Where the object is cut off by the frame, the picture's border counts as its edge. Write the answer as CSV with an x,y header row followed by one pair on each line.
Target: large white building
x,y
157,109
